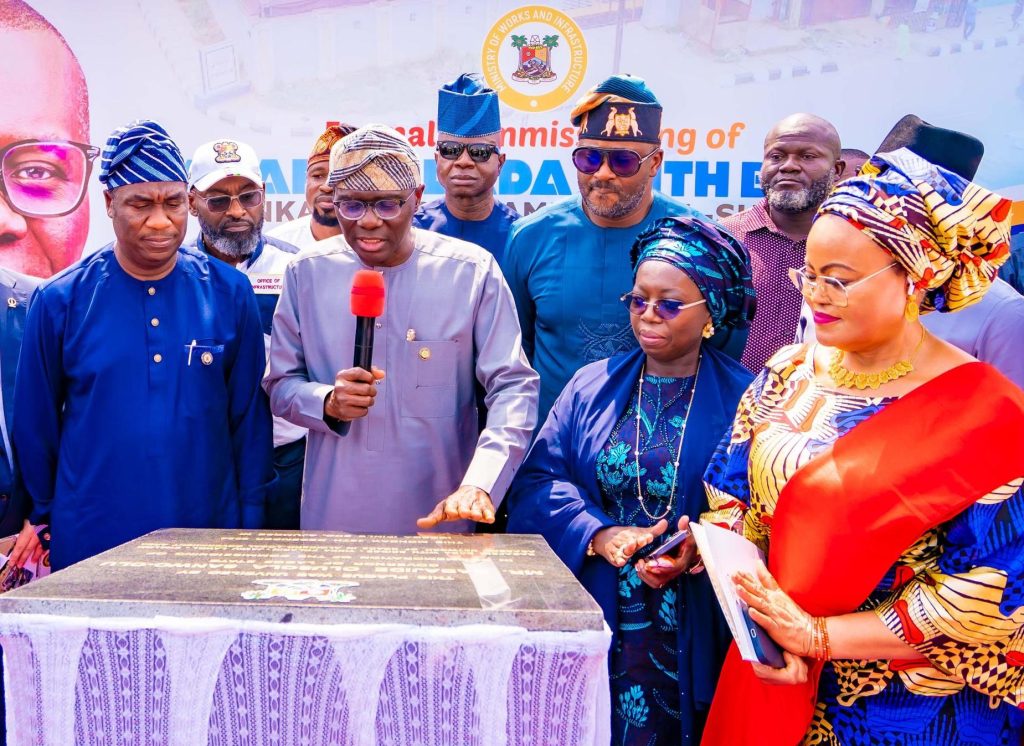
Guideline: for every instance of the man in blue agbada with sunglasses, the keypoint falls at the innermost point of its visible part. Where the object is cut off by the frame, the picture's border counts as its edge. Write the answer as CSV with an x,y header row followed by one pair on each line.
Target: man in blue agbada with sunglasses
x,y
568,263
469,160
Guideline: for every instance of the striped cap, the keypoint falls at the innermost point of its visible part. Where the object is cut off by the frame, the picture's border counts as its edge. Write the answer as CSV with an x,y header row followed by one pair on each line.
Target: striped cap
x,y
374,158
139,153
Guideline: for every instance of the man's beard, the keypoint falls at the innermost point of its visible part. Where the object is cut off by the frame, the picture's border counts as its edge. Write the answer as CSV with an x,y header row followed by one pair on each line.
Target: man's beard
x,y
328,219
626,204
238,246
802,200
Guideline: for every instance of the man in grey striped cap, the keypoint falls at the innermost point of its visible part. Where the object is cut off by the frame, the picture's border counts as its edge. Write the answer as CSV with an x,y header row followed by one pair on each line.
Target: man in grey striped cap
x,y
412,449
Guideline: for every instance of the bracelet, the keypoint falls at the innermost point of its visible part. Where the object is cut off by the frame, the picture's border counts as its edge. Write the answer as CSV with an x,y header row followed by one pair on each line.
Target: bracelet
x,y
821,647
823,621
590,549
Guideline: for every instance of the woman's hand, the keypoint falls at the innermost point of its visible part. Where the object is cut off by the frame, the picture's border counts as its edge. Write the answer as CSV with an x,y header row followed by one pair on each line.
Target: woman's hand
x,y
770,606
795,671
663,570
27,547
618,544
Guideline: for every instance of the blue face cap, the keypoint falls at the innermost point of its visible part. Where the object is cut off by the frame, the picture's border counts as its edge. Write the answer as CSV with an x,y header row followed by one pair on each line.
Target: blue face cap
x,y
466,107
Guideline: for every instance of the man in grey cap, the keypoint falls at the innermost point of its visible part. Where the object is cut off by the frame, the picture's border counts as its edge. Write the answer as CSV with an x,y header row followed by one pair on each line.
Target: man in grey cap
x,y
400,441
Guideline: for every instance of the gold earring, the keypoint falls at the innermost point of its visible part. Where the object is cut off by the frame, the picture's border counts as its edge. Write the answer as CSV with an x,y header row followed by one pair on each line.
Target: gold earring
x,y
913,310
708,331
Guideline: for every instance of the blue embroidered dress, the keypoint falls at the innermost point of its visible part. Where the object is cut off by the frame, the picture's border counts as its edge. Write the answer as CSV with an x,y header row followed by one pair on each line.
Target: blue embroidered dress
x,y
558,493
644,678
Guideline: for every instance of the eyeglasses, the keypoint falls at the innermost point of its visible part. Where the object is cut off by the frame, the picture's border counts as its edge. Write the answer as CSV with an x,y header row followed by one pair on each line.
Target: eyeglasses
x,y
622,162
666,308
480,152
45,178
834,292
385,209
222,202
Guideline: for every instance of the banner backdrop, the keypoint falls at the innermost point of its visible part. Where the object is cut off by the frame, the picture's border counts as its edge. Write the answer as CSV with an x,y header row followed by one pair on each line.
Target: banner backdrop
x,y
273,73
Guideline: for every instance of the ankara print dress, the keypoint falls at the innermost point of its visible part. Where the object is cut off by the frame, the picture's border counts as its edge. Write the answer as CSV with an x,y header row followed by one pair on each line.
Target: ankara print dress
x,y
956,594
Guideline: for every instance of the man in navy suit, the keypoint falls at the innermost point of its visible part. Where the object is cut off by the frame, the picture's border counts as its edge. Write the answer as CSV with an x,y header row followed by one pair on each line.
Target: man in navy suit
x,y
15,290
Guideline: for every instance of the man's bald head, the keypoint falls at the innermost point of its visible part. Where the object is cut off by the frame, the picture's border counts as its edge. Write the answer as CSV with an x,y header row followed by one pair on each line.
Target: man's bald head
x,y
47,101
801,163
808,127
15,16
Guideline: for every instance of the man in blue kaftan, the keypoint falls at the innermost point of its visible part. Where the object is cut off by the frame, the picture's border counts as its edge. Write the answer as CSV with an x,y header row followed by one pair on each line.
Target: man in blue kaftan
x,y
568,263
469,160
138,393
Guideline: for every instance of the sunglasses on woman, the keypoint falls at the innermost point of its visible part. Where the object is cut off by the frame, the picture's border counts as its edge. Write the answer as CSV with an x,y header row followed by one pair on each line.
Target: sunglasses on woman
x,y
621,161
222,202
480,152
666,308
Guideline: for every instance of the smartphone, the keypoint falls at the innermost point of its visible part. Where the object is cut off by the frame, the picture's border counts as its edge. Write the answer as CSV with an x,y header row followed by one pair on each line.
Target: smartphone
x,y
671,544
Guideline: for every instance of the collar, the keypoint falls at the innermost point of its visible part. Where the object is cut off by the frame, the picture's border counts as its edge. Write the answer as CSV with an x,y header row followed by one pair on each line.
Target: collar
x,y
758,217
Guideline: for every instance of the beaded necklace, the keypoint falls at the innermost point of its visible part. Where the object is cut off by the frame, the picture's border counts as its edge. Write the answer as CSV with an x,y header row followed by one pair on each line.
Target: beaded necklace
x,y
679,450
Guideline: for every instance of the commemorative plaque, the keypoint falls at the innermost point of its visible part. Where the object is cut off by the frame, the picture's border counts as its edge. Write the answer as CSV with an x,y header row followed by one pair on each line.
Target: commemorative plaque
x,y
321,578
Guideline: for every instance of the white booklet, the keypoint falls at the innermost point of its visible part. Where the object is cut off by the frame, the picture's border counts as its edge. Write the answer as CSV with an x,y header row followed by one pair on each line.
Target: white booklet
x,y
725,553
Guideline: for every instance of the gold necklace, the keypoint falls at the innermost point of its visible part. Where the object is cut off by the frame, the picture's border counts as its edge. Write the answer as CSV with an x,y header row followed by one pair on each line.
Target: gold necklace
x,y
679,450
845,378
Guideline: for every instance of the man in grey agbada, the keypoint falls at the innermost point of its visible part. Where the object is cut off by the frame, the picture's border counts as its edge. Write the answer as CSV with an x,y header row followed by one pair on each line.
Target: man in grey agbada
x,y
411,448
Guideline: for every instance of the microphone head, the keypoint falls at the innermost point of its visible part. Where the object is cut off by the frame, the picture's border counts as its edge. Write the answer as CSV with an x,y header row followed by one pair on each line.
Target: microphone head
x,y
367,294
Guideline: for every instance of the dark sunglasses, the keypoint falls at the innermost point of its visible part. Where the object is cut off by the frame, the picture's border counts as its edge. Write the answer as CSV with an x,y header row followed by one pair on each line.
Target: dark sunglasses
x,y
222,202
666,308
480,152
388,208
622,162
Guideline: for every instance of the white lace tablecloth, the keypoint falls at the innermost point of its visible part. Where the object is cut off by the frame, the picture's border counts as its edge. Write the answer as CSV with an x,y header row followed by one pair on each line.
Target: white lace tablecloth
x,y
80,681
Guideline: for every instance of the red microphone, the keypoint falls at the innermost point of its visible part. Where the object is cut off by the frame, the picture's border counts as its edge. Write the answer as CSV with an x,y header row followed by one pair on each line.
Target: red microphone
x,y
367,304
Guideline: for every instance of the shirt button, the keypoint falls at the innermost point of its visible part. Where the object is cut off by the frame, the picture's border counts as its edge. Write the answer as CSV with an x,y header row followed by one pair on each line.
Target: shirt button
x,y
152,291
154,322
157,358
379,325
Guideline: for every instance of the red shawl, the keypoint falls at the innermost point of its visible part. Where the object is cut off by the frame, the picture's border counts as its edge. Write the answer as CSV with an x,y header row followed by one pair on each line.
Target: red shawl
x,y
846,517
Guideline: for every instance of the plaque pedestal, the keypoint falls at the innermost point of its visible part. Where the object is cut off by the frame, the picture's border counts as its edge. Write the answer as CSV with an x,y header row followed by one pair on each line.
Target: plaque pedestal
x,y
189,636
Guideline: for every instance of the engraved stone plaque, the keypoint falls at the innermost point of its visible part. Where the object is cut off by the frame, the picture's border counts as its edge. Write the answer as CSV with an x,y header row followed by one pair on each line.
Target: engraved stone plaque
x,y
321,578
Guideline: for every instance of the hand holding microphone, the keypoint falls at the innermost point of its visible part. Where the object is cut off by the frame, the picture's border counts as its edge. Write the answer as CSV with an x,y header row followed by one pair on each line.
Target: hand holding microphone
x,y
353,395
355,388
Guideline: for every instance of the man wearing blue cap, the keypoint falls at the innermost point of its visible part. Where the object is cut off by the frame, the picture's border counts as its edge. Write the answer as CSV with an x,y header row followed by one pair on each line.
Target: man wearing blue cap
x,y
138,392
568,263
469,160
